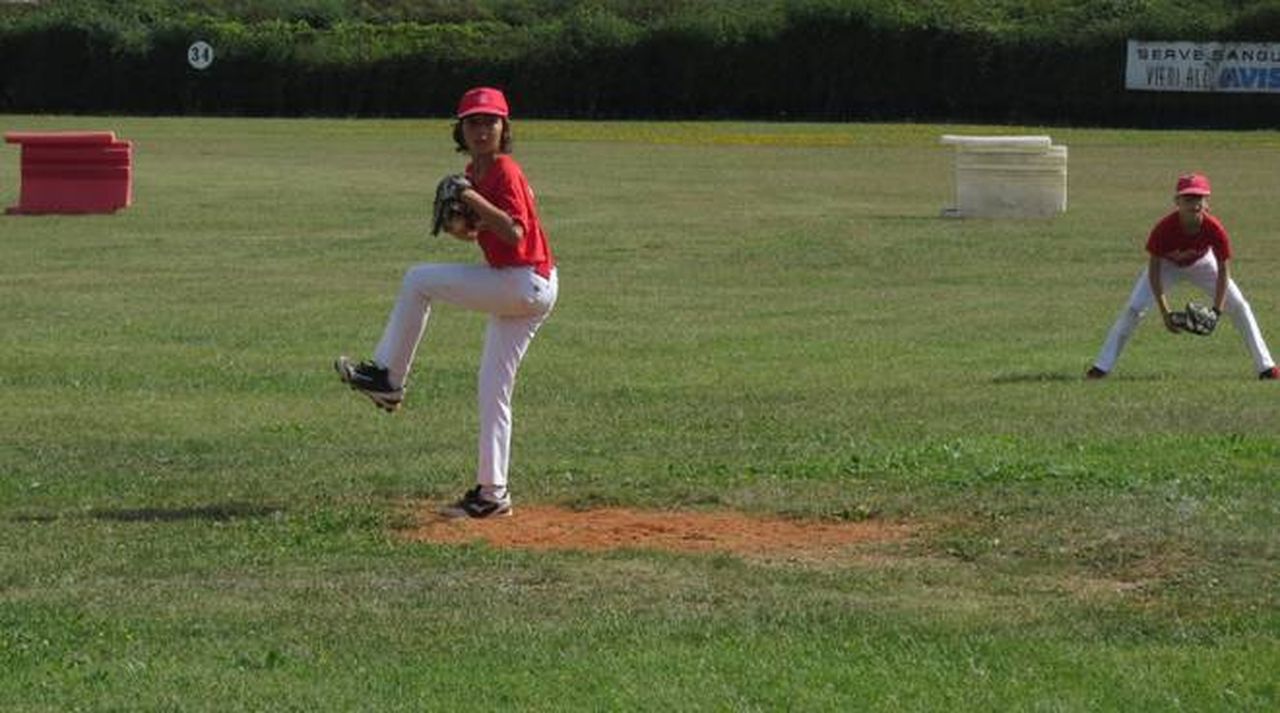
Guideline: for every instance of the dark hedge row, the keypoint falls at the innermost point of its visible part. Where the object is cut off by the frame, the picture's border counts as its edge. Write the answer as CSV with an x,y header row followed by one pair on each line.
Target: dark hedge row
x,y
1028,61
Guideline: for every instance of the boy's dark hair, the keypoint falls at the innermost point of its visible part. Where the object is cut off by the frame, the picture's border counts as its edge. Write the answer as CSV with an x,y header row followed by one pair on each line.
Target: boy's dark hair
x,y
504,143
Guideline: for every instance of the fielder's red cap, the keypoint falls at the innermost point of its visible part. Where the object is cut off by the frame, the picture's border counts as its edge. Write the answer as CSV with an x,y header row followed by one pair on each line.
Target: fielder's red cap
x,y
483,100
1193,184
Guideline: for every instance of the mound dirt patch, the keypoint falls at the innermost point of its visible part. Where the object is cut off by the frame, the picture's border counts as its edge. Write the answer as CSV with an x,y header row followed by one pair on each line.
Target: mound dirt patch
x,y
555,528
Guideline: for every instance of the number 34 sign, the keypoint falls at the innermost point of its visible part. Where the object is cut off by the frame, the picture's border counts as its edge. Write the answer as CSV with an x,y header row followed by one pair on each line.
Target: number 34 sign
x,y
200,55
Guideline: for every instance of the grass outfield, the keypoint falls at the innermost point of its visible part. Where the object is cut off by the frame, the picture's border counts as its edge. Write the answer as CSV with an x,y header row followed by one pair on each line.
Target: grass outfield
x,y
195,515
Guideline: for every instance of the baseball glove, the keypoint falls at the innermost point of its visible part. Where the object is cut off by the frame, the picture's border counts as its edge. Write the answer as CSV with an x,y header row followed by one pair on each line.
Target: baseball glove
x,y
1198,319
448,205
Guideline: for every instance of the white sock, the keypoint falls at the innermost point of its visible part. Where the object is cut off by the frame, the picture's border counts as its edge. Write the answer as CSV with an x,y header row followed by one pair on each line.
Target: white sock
x,y
493,493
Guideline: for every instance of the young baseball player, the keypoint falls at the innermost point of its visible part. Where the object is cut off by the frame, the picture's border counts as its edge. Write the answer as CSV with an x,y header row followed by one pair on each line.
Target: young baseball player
x,y
1188,243
517,287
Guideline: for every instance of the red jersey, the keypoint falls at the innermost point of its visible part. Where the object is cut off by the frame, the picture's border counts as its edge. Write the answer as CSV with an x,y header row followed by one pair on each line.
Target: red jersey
x,y
1170,242
506,187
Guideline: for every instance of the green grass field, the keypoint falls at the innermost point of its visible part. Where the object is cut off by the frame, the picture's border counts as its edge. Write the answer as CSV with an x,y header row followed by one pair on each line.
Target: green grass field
x,y
195,515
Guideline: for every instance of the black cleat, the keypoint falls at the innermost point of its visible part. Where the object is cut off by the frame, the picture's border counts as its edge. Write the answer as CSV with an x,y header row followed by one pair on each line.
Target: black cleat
x,y
371,380
477,506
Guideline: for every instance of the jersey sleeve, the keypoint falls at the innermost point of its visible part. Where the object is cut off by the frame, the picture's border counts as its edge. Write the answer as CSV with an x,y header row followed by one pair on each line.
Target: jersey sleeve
x,y
1219,241
507,192
1155,241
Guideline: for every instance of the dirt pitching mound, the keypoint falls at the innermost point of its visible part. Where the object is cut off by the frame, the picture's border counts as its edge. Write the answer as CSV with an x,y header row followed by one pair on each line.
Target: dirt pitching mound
x,y
555,528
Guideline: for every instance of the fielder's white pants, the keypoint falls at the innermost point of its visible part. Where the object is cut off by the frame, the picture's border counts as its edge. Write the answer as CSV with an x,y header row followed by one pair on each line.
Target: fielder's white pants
x,y
1203,274
518,301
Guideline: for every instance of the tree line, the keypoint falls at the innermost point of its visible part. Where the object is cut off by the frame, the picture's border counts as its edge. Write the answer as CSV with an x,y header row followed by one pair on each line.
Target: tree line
x,y
1041,61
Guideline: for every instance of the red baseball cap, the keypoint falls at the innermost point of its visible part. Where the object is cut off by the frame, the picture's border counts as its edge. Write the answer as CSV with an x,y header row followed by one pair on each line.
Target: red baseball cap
x,y
483,100
1193,184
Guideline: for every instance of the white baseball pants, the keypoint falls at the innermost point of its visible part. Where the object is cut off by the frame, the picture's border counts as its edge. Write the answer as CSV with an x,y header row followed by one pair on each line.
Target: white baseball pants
x,y
518,301
1203,274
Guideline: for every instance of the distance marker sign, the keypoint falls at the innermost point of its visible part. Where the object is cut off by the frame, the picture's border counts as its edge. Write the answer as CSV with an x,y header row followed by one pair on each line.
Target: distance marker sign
x,y
200,55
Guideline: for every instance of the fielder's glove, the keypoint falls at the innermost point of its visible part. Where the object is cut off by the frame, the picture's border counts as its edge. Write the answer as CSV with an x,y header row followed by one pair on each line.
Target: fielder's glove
x,y
1197,319
448,205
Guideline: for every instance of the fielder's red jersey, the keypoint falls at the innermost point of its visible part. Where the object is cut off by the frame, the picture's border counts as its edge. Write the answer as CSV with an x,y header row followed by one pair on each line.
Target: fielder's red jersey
x,y
1168,241
506,187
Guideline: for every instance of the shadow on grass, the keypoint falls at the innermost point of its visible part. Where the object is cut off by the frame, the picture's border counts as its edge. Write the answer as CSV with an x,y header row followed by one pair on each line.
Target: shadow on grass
x,y
1035,377
220,512
1058,376
39,518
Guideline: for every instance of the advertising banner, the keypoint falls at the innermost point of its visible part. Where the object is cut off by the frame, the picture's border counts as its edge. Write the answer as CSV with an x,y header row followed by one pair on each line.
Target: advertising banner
x,y
1203,67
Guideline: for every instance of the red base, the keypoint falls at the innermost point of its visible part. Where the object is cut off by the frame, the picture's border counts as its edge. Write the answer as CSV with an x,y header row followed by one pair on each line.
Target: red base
x,y
73,172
